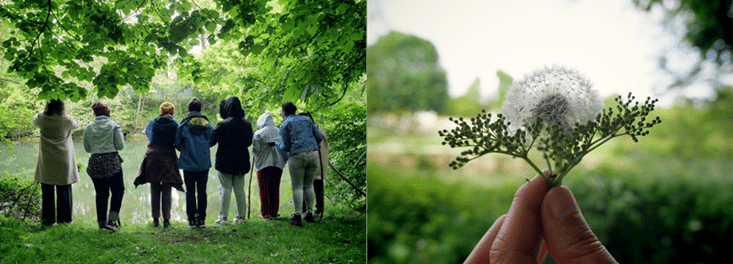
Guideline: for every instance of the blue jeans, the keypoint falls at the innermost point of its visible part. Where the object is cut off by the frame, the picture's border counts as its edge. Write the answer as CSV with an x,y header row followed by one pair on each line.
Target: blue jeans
x,y
303,167
103,186
196,183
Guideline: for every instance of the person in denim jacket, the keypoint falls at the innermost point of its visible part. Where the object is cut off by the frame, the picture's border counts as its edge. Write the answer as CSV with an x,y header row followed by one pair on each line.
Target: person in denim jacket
x,y
300,142
192,140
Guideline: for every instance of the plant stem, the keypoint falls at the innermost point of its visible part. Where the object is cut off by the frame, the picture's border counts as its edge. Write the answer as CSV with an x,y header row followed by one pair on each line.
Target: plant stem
x,y
538,170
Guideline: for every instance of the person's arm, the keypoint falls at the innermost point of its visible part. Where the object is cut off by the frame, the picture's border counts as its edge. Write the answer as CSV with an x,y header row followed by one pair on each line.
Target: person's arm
x,y
178,140
316,133
119,137
73,123
149,130
247,134
87,140
213,139
285,134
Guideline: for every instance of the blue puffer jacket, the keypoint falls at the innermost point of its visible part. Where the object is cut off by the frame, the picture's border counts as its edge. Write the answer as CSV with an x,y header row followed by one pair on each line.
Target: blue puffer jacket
x,y
192,140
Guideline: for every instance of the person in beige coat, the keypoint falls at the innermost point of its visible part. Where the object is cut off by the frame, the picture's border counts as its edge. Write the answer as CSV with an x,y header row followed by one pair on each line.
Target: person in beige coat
x,y
56,167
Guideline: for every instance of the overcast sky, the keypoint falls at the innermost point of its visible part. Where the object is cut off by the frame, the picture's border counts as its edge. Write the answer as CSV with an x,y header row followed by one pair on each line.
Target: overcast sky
x,y
610,42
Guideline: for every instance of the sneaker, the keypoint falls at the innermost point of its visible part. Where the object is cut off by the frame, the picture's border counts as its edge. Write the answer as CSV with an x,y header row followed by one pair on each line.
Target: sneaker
x,y
155,222
192,223
201,223
295,220
309,218
238,220
265,217
166,223
318,214
112,226
221,221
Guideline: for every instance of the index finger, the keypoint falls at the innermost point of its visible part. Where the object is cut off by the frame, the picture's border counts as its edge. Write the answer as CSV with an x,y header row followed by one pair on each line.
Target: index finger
x,y
519,237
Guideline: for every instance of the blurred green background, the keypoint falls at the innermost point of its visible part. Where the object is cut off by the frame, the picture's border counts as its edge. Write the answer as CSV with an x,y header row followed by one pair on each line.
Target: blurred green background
x,y
666,199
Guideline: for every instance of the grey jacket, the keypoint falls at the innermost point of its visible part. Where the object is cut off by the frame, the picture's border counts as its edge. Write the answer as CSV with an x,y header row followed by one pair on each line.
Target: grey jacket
x,y
104,135
265,155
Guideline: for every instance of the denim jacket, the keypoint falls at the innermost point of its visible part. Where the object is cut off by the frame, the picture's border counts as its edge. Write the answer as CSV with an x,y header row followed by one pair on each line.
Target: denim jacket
x,y
299,134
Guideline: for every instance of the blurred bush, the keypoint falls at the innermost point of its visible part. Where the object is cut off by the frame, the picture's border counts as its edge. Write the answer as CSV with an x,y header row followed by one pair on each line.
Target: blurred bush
x,y
416,218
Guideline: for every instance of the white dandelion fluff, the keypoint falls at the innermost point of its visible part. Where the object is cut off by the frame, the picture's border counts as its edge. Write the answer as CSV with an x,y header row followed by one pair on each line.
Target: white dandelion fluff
x,y
556,95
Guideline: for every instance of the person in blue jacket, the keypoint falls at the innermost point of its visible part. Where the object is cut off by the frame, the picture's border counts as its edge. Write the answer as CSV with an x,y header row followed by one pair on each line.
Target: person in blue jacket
x,y
192,140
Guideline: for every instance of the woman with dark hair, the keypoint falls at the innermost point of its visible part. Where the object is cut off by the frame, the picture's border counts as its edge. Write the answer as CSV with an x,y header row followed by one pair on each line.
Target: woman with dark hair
x,y
160,164
103,138
234,136
56,167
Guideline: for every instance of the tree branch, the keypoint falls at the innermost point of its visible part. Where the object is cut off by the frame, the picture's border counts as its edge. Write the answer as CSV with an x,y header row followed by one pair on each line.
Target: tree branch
x,y
34,41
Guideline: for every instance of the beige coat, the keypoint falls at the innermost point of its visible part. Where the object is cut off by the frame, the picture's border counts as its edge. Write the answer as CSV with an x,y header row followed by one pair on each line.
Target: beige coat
x,y
324,146
56,159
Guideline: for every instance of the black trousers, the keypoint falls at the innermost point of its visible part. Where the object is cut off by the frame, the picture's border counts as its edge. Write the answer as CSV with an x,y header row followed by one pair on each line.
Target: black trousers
x,y
61,212
103,186
196,183
318,189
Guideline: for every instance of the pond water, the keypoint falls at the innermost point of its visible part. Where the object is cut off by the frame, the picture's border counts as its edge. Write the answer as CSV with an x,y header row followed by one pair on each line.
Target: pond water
x,y
136,202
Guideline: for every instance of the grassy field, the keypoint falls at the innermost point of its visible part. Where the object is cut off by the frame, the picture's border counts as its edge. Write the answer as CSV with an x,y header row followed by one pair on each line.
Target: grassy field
x,y
335,239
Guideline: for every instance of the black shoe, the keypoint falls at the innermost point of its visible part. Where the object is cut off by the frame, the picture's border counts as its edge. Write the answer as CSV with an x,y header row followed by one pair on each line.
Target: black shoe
x,y
192,223
155,222
295,220
309,218
166,223
201,223
112,226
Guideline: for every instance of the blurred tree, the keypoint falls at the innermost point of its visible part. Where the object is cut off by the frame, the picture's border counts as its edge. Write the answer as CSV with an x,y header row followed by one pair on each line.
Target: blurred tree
x,y
505,81
404,75
466,105
708,29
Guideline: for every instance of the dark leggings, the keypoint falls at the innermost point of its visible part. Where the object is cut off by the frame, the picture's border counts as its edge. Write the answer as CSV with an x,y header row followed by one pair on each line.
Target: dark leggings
x,y
50,214
103,186
161,190
318,189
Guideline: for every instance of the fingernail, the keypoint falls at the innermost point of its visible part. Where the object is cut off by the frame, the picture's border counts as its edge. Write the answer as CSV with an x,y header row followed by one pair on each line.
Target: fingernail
x,y
562,203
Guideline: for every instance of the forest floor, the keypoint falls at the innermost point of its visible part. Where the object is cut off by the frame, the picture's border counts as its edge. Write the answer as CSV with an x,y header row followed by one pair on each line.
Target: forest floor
x,y
333,239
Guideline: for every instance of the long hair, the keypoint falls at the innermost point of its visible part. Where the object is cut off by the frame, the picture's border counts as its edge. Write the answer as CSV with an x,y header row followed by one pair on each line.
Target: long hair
x,y
55,106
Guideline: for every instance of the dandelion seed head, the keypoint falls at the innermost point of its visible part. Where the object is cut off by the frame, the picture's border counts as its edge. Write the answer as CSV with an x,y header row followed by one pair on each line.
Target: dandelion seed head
x,y
557,95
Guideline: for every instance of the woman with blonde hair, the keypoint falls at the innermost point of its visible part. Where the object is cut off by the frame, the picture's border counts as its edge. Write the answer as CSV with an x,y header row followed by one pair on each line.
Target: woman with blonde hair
x,y
160,164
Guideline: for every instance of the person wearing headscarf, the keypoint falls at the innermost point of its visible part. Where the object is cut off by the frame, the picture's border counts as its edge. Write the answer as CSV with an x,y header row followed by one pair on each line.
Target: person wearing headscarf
x,y
103,138
192,140
160,164
234,136
300,142
269,164
56,166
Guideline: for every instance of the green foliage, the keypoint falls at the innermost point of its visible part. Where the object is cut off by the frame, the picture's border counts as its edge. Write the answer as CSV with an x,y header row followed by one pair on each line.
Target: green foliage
x,y
300,51
19,197
415,217
566,148
53,43
709,24
405,75
648,219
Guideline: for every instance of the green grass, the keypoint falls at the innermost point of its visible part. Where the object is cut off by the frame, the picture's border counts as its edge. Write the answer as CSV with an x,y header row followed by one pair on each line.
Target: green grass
x,y
335,239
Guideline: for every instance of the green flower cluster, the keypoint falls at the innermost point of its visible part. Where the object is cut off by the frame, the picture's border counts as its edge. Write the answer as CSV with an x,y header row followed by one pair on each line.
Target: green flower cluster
x,y
561,148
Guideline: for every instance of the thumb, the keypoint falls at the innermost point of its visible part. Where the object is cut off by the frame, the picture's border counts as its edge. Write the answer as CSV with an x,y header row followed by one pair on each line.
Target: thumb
x,y
566,233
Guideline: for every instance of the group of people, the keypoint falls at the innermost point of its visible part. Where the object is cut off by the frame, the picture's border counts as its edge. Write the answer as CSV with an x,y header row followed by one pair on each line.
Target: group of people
x,y
298,142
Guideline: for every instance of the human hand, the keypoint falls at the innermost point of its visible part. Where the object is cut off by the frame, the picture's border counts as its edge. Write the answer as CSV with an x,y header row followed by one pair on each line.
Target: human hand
x,y
540,211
